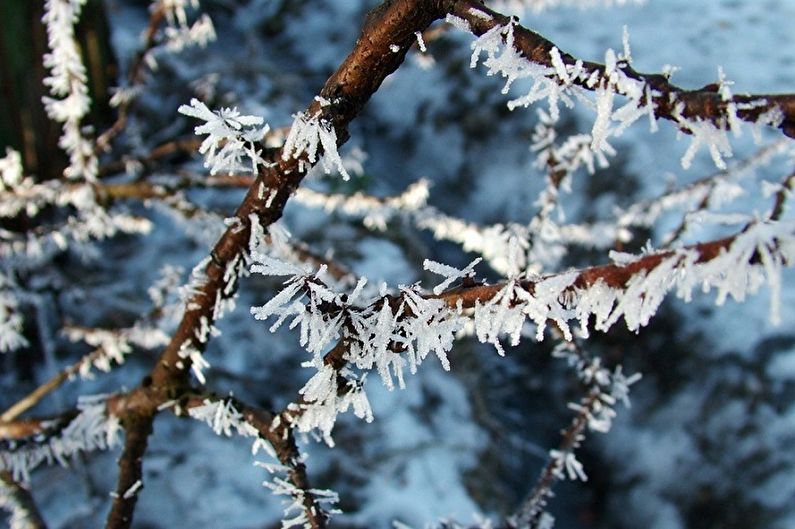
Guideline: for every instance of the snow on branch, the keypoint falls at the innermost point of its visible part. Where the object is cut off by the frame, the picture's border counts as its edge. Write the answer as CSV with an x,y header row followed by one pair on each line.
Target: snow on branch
x,y
17,501
69,102
595,411
91,429
389,332
11,321
303,504
514,52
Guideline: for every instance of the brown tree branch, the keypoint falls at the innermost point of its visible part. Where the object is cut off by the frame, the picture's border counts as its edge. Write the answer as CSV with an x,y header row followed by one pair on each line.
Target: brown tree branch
x,y
704,103
349,88
138,429
781,197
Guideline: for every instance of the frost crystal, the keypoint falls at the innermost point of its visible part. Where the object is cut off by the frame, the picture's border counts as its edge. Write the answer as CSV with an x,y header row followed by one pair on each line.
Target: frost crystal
x,y
91,429
308,136
223,418
231,137
67,82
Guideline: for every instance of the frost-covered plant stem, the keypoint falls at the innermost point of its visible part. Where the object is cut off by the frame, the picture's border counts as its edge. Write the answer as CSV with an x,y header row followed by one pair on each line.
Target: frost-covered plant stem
x,y
228,416
684,107
70,101
17,501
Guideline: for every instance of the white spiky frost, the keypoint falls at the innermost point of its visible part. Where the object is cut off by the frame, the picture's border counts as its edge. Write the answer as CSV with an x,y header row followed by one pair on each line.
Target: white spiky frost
x,y
231,137
91,429
308,136
556,84
387,333
69,101
19,515
223,418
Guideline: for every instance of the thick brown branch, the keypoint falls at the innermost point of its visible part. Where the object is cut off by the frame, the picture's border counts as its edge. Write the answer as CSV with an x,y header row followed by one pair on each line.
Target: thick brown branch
x,y
370,62
701,104
129,483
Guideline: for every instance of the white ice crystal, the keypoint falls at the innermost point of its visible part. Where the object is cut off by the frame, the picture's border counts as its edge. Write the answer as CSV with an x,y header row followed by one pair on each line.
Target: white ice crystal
x,y
311,136
231,137
224,419
69,101
91,429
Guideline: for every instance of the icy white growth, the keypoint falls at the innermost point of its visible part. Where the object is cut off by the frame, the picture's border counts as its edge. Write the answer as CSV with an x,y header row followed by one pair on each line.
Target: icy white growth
x,y
567,461
69,101
19,517
112,346
175,10
376,213
386,333
200,33
92,429
295,512
11,322
197,361
231,137
10,170
449,272
565,83
133,490
310,136
223,418
457,22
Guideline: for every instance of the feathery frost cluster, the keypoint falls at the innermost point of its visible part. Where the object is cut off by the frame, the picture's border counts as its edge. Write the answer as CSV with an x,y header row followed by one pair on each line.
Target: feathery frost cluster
x,y
224,419
569,83
91,429
310,136
388,332
231,137
70,101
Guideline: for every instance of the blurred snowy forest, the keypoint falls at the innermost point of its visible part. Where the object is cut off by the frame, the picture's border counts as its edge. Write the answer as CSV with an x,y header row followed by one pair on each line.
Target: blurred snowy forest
x,y
524,420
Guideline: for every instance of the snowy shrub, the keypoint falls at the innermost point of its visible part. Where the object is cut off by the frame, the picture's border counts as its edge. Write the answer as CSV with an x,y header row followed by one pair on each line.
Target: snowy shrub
x,y
501,195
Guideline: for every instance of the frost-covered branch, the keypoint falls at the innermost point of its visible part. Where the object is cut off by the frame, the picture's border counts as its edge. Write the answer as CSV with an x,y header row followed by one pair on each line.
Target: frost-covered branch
x,y
229,416
347,90
110,347
18,502
593,412
707,114
69,102
90,428
387,333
